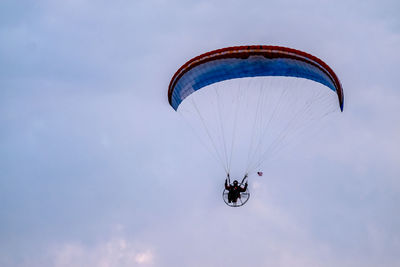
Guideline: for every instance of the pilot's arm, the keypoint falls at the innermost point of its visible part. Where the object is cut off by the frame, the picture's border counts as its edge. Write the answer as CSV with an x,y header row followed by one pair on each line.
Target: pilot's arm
x,y
227,187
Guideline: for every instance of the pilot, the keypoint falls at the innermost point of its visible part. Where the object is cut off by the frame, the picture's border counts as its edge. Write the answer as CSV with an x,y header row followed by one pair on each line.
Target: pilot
x,y
234,190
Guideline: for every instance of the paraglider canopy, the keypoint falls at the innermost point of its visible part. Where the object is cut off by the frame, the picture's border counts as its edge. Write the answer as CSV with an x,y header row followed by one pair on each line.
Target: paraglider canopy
x,y
249,61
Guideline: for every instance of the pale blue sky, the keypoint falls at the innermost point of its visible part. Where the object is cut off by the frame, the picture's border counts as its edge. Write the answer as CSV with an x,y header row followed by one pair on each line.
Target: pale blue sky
x,y
96,169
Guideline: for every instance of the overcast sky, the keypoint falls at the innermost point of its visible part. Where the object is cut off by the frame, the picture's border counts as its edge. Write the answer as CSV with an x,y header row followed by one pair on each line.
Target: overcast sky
x,y
96,169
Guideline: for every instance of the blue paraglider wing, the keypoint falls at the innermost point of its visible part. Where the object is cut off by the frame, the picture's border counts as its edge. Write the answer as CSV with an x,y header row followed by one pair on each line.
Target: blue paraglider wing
x,y
249,61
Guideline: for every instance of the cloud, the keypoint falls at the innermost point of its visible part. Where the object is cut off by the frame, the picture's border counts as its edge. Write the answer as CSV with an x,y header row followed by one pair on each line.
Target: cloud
x,y
113,252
